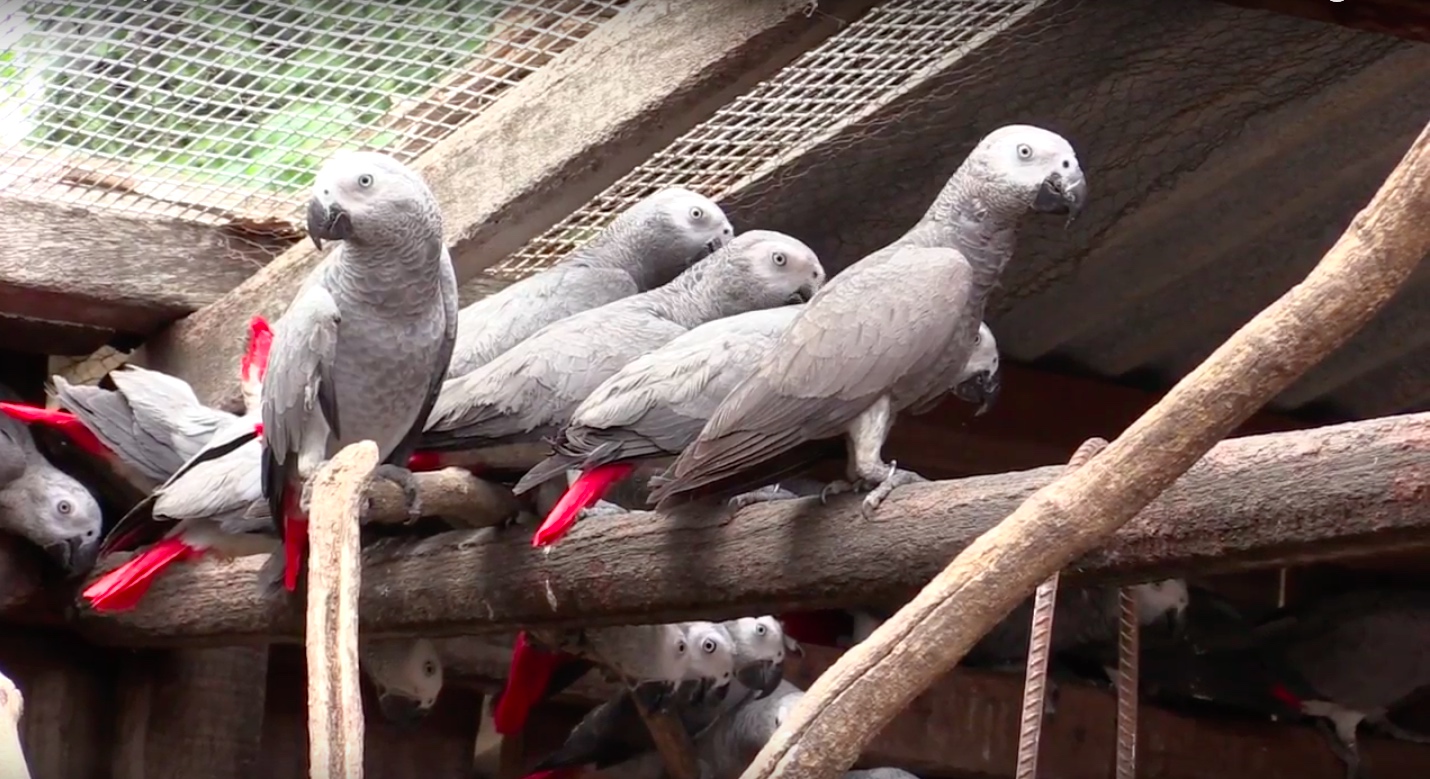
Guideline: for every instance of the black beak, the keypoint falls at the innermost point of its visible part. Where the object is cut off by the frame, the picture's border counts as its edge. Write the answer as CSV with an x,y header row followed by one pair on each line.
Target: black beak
x,y
328,223
763,677
654,697
982,388
694,691
1176,623
74,555
802,295
1061,195
401,710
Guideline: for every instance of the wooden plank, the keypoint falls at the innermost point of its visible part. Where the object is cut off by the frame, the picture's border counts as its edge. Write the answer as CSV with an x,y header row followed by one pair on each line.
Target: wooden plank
x,y
1254,502
545,148
67,730
1401,18
975,714
104,270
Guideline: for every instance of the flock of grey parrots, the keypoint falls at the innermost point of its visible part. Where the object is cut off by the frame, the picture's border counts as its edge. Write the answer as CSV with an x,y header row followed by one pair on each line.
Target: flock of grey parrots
x,y
700,364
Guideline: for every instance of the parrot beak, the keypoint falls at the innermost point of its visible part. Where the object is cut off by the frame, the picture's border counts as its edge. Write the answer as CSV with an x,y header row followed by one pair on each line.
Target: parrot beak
x,y
718,692
401,710
1176,623
328,222
982,389
802,295
74,555
694,691
653,696
762,677
1060,195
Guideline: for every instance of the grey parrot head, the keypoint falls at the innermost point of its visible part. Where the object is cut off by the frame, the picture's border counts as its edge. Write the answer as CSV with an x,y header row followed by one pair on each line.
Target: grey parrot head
x,y
982,376
1027,167
712,661
407,674
1163,602
765,269
366,197
55,512
760,646
678,227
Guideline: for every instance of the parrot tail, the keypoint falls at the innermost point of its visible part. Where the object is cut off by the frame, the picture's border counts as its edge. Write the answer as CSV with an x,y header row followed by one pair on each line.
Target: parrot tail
x,y
63,421
526,680
255,359
295,542
121,588
584,493
424,460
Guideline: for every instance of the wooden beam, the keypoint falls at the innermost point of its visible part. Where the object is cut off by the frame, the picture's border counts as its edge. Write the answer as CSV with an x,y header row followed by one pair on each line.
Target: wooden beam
x,y
544,149
111,271
1402,18
1253,502
975,713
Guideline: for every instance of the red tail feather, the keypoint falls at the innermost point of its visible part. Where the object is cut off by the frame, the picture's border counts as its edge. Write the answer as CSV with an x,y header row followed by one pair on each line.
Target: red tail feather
x,y
526,680
62,421
423,460
121,588
584,493
295,541
260,340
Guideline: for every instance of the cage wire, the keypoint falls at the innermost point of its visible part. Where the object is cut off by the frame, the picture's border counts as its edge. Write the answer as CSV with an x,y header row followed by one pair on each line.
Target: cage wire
x,y
220,111
831,85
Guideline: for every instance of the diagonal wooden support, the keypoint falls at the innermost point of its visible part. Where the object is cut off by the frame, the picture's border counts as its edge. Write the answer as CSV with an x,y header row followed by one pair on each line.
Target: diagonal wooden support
x,y
335,723
862,693
1040,646
672,742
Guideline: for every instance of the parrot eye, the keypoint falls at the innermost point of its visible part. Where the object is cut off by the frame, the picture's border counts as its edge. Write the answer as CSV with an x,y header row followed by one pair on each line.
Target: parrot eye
x,y
697,213
1025,151
365,180
64,507
760,629
779,258
680,647
708,645
429,668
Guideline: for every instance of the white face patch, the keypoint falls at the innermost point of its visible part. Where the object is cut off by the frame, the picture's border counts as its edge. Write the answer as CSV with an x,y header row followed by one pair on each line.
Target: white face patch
x,y
1157,599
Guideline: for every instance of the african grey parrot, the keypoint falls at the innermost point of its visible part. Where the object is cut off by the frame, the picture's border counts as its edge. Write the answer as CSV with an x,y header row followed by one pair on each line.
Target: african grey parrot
x,y
362,350
712,661
892,331
644,247
41,503
528,392
612,733
406,673
653,659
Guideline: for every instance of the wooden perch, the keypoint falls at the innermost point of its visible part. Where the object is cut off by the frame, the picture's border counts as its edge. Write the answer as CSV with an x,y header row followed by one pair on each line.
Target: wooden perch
x,y
451,494
1254,502
335,723
12,754
856,698
677,752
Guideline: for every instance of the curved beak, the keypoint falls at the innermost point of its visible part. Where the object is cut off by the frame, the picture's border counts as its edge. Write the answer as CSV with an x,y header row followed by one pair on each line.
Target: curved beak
x,y
803,295
1176,623
981,389
328,222
1061,194
74,555
654,696
763,677
400,709
694,690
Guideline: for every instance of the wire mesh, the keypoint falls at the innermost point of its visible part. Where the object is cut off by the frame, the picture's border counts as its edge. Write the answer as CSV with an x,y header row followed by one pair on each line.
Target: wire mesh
x,y
219,111
824,89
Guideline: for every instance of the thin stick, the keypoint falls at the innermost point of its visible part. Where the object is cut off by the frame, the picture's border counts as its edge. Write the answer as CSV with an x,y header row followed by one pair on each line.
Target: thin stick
x,y
1127,656
1040,647
335,723
12,754
856,698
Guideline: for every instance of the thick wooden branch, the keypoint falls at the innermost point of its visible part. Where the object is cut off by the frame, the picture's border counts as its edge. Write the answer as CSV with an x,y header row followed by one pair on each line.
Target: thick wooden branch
x,y
974,715
335,720
451,494
109,271
12,754
1259,501
850,703
672,742
501,184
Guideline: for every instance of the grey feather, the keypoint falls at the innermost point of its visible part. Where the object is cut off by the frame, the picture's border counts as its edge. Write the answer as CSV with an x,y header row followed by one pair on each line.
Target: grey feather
x,y
644,247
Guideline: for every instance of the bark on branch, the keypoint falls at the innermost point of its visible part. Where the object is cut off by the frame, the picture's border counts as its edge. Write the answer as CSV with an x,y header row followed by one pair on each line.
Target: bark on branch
x,y
451,494
335,723
862,692
1253,502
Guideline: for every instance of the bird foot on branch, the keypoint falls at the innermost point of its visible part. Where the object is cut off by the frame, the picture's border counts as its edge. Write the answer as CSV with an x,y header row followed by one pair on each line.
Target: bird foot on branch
x,y
766,494
894,479
601,508
405,481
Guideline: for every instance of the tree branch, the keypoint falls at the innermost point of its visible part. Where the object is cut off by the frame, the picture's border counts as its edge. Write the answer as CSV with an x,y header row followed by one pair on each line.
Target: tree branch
x,y
857,697
451,494
335,723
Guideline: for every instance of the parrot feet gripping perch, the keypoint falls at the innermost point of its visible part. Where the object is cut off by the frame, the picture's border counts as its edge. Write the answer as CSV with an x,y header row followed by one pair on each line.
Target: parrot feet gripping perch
x,y
766,494
405,481
654,696
602,508
878,486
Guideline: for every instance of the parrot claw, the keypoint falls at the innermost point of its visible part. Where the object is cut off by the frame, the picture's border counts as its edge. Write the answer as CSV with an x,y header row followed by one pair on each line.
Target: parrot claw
x,y
766,494
601,508
893,480
405,481
836,487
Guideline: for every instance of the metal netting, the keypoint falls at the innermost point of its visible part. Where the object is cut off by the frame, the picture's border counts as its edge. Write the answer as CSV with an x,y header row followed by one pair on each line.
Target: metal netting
x,y
219,111
826,88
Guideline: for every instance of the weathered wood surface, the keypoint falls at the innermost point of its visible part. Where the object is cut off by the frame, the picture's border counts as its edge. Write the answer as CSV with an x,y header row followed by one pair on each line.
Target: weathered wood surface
x,y
966,724
68,727
1253,502
334,576
1403,18
108,271
501,182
